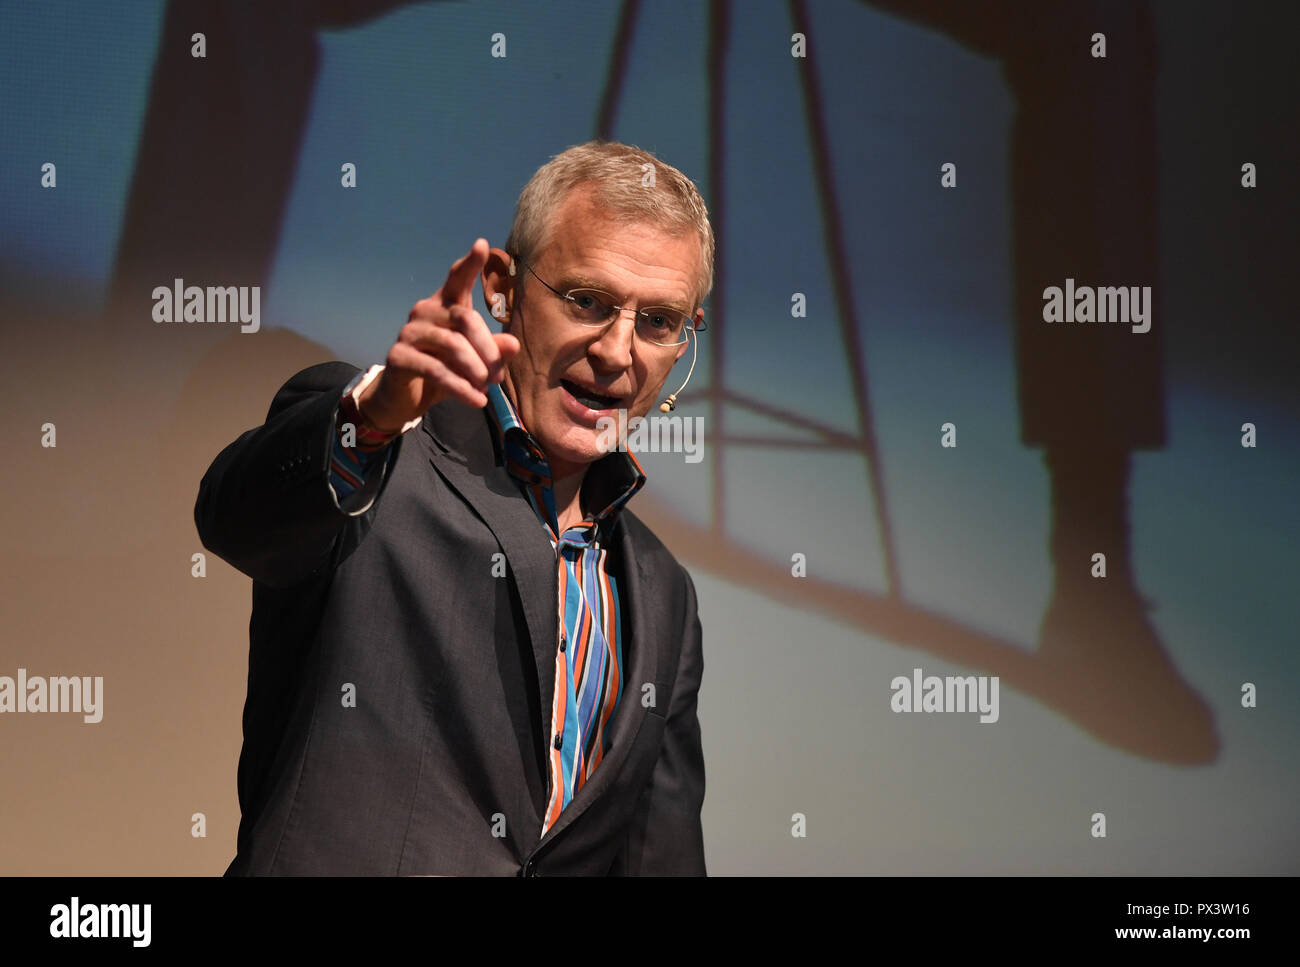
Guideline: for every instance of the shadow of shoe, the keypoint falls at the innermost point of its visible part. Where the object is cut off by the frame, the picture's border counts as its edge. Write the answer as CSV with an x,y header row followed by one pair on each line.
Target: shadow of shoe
x,y
1108,671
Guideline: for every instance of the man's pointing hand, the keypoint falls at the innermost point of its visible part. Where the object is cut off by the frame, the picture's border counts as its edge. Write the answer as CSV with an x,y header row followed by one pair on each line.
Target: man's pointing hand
x,y
445,349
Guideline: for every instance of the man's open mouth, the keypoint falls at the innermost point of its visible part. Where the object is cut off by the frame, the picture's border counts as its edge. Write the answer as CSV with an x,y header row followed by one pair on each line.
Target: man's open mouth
x,y
589,399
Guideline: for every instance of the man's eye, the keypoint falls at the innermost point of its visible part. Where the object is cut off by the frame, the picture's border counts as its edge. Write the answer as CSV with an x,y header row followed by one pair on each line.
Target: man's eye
x,y
589,305
662,321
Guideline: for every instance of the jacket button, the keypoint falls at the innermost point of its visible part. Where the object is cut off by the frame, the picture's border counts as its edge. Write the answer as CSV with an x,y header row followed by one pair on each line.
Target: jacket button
x,y
559,740
563,642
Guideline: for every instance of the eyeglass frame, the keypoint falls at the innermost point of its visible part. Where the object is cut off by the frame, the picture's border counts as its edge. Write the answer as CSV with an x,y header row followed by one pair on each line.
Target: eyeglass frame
x,y
693,325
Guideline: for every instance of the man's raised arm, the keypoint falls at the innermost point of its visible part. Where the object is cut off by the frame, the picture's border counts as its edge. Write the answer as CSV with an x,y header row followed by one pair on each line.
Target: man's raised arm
x,y
265,505
268,504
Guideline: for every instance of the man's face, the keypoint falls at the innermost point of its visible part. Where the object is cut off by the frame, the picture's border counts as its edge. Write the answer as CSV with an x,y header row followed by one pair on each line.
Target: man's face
x,y
638,264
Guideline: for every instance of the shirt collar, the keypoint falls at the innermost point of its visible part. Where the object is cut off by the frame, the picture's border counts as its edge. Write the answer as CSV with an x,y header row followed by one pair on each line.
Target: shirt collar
x,y
609,484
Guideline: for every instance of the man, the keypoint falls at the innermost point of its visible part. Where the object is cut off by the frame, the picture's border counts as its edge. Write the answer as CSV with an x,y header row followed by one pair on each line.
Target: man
x,y
467,655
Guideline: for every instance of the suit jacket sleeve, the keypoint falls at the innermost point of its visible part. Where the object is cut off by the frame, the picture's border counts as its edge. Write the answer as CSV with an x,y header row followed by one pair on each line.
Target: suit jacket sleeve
x,y
265,505
665,837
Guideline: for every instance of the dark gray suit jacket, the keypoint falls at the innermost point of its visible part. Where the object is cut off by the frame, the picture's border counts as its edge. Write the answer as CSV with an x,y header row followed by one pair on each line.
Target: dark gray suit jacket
x,y
440,768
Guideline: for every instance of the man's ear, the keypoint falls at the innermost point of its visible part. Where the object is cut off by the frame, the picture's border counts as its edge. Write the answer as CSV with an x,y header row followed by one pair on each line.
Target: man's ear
x,y
499,285
681,350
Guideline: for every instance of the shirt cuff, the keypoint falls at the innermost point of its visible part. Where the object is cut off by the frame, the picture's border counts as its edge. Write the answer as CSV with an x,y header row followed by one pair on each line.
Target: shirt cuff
x,y
357,470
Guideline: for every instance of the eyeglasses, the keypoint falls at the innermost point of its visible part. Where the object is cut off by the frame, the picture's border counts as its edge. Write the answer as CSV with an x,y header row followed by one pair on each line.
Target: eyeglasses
x,y
594,308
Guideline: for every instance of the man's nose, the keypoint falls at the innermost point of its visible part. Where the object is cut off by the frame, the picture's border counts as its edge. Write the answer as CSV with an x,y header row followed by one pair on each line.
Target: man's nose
x,y
614,346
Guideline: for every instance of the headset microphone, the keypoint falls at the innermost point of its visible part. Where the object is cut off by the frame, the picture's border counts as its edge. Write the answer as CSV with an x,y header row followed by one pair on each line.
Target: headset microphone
x,y
670,404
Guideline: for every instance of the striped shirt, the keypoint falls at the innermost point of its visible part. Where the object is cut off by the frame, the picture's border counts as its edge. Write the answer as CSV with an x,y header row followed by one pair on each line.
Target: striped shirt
x,y
589,660
589,620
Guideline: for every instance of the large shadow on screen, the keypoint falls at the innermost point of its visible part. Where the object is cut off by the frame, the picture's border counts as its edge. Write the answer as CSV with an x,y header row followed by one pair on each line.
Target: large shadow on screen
x,y
1099,660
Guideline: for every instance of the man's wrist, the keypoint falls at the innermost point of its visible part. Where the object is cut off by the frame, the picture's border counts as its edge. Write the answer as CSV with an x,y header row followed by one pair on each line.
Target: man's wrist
x,y
367,437
350,410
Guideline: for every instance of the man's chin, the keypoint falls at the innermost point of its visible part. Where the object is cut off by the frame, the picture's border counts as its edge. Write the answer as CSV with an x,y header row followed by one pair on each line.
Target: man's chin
x,y
582,445
580,448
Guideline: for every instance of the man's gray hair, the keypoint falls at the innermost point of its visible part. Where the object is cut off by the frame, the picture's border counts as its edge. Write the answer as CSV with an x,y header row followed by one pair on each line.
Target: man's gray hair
x,y
619,176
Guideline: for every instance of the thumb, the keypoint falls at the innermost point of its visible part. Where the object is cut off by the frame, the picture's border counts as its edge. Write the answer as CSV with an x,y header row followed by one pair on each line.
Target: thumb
x,y
506,343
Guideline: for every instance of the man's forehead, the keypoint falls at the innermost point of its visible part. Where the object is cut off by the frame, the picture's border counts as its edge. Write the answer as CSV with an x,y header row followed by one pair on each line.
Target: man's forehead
x,y
580,253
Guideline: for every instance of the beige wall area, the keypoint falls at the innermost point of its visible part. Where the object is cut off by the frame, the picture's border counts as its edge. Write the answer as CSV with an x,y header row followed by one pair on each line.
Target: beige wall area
x,y
98,534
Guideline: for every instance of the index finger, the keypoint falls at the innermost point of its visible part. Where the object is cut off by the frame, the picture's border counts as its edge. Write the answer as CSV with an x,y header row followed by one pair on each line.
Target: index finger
x,y
459,287
471,325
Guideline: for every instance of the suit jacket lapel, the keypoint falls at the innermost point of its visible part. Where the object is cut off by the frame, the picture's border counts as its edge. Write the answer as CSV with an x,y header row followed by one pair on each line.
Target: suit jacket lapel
x,y
464,456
